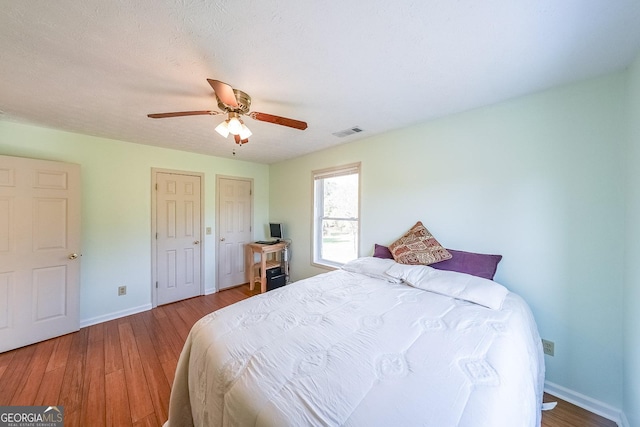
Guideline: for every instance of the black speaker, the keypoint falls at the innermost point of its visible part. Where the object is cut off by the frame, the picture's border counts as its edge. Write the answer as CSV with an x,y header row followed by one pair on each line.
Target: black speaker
x,y
275,278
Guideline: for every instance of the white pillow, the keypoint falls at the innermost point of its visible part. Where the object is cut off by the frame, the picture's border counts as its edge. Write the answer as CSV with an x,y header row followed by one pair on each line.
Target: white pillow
x,y
451,283
372,267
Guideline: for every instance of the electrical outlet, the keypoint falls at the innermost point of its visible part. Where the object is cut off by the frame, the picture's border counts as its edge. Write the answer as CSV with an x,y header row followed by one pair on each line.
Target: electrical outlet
x,y
122,290
208,230
548,347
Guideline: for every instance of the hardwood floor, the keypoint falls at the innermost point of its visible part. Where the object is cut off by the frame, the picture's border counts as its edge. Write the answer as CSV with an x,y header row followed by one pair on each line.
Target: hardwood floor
x,y
568,415
119,373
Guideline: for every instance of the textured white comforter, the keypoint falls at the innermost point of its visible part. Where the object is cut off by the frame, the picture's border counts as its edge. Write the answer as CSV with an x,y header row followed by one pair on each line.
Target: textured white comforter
x,y
344,348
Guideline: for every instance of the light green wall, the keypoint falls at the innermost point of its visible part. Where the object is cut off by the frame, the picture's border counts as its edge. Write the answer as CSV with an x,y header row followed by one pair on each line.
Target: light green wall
x,y
116,207
632,288
537,179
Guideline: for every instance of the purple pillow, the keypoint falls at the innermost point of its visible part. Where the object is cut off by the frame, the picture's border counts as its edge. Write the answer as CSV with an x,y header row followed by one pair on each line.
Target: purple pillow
x,y
382,252
480,265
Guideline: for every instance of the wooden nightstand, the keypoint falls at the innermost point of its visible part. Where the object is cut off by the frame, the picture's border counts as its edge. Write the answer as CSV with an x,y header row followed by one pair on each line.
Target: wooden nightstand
x,y
270,257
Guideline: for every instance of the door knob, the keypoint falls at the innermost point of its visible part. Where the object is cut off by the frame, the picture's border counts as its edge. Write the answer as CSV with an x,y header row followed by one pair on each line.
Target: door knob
x,y
222,239
73,256
196,242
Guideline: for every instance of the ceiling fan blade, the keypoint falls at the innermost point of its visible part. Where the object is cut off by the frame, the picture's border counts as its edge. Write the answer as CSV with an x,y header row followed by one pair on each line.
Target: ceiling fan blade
x,y
296,124
183,113
240,141
224,92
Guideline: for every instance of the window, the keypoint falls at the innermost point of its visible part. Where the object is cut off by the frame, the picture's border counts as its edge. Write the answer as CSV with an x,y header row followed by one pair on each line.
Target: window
x,y
336,207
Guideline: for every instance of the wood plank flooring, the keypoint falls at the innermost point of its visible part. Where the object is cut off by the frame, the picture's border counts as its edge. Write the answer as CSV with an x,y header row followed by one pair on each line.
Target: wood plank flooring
x,y
119,373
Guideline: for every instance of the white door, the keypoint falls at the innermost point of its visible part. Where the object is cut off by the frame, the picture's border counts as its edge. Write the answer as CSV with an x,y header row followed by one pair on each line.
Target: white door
x,y
234,230
39,250
178,228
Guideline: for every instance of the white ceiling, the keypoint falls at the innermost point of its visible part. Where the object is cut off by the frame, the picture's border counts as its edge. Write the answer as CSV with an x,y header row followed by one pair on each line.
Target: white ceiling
x,y
99,67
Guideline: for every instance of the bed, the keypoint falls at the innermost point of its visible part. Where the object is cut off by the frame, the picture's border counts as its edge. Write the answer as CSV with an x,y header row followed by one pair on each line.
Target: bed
x,y
375,343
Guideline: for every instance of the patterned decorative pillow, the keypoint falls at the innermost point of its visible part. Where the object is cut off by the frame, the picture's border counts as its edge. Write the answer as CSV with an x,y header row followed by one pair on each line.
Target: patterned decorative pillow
x,y
418,246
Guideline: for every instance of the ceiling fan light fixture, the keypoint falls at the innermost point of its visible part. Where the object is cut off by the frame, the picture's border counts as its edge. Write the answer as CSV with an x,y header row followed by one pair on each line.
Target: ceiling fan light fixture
x,y
245,133
235,126
234,103
223,129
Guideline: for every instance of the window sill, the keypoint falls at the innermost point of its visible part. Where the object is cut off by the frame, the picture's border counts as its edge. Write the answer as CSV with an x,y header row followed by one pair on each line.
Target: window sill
x,y
326,265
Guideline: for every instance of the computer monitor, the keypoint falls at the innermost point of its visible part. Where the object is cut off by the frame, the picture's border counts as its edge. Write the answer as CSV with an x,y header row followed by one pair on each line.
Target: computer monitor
x,y
275,230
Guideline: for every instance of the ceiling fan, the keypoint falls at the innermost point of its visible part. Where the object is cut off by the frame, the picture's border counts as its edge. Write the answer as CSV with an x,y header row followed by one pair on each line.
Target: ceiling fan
x,y
234,103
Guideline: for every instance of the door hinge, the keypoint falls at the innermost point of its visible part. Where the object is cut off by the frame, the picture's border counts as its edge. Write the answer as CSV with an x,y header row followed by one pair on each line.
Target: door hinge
x,y
156,236
156,285
156,186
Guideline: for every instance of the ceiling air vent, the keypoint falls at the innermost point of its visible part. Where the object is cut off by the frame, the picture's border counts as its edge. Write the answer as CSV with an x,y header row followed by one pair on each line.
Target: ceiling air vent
x,y
347,132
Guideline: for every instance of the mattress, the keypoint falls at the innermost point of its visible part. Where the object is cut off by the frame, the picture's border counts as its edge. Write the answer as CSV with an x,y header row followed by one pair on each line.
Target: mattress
x,y
345,348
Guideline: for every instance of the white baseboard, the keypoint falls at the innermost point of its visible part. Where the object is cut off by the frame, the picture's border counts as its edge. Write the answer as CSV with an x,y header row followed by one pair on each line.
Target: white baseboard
x,y
116,315
122,313
624,421
585,402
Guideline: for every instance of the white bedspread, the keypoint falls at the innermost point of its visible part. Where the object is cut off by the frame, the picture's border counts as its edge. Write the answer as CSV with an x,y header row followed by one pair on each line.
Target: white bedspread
x,y
343,348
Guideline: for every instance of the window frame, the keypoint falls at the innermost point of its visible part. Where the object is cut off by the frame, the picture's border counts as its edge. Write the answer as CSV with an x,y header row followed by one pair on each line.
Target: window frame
x,y
318,211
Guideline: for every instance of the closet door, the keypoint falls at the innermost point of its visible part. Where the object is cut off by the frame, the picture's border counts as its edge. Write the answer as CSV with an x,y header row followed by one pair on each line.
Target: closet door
x,y
178,236
39,250
235,206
